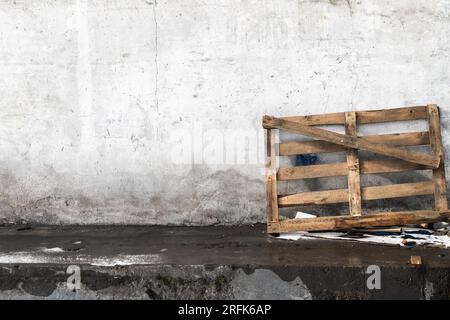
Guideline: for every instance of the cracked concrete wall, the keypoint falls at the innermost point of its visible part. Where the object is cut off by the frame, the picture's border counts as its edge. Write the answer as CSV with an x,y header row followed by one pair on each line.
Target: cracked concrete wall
x,y
132,111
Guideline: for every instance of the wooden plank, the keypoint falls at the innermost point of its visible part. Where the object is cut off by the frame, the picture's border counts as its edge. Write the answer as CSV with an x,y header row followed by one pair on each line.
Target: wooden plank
x,y
319,119
291,148
318,146
440,185
388,115
271,179
415,260
268,175
349,222
314,197
397,190
367,193
370,116
339,169
352,142
354,180
313,171
389,166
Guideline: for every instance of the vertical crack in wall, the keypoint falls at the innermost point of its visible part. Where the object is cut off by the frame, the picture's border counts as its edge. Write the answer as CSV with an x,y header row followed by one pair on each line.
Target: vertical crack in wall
x,y
84,83
156,55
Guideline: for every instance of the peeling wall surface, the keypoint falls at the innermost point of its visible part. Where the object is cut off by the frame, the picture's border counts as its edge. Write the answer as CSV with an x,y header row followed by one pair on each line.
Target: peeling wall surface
x,y
149,112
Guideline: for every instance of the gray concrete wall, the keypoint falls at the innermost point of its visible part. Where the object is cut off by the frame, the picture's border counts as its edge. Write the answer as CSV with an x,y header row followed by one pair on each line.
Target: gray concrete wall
x,y
132,111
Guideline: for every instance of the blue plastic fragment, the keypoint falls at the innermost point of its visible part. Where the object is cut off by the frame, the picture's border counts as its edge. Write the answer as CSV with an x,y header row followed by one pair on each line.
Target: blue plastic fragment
x,y
305,159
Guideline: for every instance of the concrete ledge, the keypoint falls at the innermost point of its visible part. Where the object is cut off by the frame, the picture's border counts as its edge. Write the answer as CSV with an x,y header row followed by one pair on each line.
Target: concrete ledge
x,y
208,263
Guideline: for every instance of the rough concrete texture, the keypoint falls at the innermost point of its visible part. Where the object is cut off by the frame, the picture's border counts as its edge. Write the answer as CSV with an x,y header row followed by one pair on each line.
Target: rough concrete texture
x,y
132,112
209,263
221,282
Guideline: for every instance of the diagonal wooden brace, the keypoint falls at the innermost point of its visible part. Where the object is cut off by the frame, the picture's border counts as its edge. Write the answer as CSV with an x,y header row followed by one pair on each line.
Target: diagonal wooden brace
x,y
351,141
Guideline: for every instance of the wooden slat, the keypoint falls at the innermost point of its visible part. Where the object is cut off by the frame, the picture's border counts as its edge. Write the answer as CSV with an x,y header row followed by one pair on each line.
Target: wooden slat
x,y
440,185
319,119
340,169
352,142
387,115
367,193
371,116
313,171
271,178
314,197
389,166
349,222
354,181
318,146
268,175
397,190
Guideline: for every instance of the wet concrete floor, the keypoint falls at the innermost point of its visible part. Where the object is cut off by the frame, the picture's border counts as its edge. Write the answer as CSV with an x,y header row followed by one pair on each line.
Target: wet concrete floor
x,y
137,262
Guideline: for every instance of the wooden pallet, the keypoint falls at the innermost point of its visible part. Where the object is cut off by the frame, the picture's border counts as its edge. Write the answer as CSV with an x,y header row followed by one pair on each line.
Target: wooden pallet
x,y
400,159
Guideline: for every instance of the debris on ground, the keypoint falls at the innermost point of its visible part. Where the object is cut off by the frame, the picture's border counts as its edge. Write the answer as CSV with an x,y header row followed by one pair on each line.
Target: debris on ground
x,y
405,237
416,260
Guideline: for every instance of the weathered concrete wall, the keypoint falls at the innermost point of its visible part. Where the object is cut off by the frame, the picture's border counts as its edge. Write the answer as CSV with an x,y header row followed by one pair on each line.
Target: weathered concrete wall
x,y
126,111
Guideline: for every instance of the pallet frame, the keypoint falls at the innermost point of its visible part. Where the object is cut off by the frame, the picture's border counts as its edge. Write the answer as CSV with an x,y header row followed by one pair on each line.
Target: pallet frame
x,y
392,145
